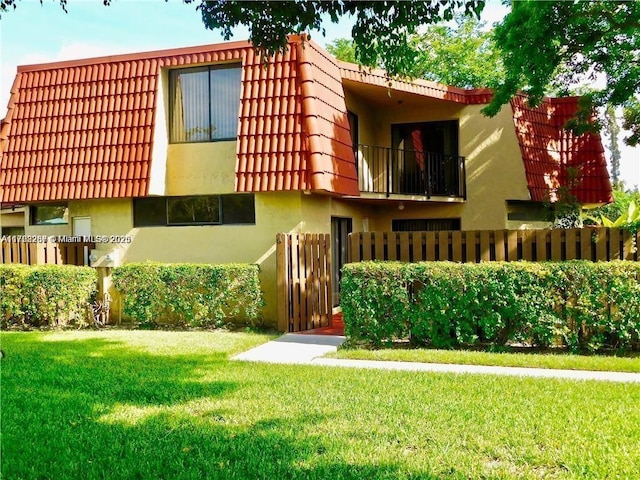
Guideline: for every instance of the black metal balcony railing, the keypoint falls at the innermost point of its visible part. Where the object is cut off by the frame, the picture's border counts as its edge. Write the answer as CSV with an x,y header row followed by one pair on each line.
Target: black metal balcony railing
x,y
409,172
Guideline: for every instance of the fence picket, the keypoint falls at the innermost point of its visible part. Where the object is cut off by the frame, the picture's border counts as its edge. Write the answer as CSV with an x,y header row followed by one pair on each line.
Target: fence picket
x,y
443,246
541,245
570,244
509,245
512,240
500,245
456,246
430,246
614,244
527,245
485,246
557,240
404,246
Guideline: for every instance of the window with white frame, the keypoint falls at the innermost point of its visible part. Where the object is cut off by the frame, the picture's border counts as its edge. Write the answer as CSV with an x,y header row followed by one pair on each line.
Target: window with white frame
x,y
204,103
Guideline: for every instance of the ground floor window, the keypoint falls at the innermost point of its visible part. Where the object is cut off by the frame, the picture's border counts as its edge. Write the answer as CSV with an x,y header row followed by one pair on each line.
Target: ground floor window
x,y
50,214
194,210
528,211
12,231
425,224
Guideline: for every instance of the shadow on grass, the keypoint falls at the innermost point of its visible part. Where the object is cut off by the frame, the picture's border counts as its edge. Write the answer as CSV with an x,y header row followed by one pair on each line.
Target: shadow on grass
x,y
94,409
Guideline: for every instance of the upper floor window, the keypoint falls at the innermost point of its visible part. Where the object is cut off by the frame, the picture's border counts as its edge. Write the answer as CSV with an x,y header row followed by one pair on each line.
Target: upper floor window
x,y
204,103
432,137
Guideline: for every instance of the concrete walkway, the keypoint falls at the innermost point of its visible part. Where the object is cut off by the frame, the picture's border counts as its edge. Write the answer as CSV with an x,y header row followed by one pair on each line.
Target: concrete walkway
x,y
304,349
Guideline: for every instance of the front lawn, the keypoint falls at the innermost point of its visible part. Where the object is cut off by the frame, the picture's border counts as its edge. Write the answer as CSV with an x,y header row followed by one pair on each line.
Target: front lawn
x,y
170,405
468,357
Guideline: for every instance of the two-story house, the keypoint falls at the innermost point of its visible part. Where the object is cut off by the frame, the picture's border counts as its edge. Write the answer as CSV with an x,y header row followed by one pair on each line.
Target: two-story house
x,y
203,154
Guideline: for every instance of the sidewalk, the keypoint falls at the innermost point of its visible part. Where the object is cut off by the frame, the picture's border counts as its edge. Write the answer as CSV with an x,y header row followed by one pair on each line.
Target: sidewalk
x,y
305,349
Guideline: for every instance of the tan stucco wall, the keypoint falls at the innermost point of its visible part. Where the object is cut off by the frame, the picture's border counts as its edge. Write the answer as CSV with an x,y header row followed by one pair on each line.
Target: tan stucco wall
x,y
14,217
495,170
494,167
275,212
201,168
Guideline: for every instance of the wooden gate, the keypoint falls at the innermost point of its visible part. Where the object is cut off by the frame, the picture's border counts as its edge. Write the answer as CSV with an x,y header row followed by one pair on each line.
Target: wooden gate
x,y
303,280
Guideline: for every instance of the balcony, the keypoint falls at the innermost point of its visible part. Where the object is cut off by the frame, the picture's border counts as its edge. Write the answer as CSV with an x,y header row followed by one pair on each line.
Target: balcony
x,y
393,171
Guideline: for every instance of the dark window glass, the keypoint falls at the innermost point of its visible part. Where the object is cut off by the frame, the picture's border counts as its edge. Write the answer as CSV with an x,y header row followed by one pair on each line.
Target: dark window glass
x,y
189,210
224,84
425,224
12,231
353,127
149,212
238,209
528,211
425,159
204,103
49,215
194,210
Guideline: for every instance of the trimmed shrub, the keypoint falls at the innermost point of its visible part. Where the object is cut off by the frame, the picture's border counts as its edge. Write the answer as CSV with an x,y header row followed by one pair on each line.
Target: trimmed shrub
x,y
376,300
581,305
52,295
194,294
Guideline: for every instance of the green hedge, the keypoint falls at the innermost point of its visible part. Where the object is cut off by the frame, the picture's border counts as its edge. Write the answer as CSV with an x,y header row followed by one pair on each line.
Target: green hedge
x,y
52,295
194,294
581,305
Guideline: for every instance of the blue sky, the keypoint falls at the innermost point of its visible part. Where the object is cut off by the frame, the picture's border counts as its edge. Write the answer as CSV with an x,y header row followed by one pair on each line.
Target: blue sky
x,y
40,33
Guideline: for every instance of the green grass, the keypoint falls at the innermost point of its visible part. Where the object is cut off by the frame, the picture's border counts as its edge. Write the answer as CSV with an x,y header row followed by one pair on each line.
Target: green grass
x,y
468,357
167,405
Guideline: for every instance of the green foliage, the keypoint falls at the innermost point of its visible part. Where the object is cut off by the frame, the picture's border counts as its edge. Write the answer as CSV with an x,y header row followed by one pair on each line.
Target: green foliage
x,y
377,297
463,56
620,205
121,404
613,131
45,295
581,305
629,218
572,40
631,120
194,294
381,30
343,49
503,357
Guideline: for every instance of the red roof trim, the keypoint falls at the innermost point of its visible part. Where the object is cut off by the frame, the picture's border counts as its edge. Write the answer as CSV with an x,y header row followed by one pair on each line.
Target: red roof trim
x,y
128,57
378,77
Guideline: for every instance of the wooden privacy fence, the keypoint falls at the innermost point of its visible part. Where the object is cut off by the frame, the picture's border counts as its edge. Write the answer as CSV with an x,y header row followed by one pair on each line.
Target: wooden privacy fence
x,y
46,253
303,281
595,244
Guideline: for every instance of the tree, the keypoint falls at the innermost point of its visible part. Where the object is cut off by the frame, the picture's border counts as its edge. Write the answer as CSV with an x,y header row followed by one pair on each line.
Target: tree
x,y
343,49
381,30
613,130
631,121
463,56
578,41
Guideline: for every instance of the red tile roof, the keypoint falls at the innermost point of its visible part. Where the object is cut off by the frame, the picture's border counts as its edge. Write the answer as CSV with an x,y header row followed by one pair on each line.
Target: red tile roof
x,y
78,130
549,151
294,133
84,129
332,163
353,72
